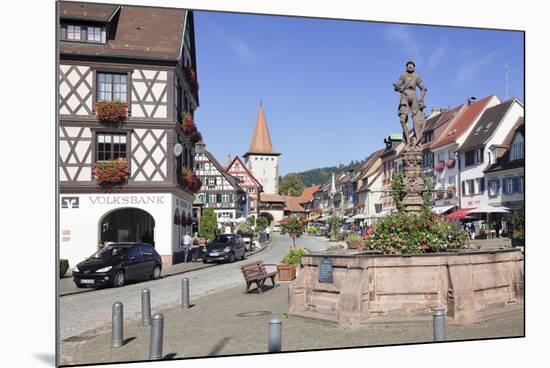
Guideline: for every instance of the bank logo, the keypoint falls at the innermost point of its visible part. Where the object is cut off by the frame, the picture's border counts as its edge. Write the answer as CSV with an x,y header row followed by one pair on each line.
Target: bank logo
x,y
69,202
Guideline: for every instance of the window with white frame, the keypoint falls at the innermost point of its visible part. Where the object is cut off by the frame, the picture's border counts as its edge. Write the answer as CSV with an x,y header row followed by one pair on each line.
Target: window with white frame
x,y
225,197
111,87
73,32
480,185
110,146
212,197
517,151
211,182
494,187
94,34
508,185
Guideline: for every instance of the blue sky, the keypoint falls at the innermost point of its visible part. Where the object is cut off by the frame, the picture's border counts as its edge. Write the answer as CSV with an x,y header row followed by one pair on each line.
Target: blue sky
x,y
326,85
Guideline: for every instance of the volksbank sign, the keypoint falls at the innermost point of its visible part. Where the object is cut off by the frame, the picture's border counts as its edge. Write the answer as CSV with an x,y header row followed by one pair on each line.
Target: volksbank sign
x,y
126,199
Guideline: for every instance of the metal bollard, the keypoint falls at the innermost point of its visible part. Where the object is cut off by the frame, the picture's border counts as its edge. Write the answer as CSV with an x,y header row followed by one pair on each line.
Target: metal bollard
x,y
157,331
145,307
440,324
117,335
274,336
185,293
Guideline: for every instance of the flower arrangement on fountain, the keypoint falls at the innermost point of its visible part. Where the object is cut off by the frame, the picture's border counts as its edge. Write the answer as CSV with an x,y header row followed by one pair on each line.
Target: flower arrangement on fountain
x,y
440,165
111,172
112,112
190,128
189,180
406,233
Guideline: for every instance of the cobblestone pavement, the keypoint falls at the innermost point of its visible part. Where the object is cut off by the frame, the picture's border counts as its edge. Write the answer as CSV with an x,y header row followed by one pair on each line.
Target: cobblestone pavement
x,y
228,323
81,312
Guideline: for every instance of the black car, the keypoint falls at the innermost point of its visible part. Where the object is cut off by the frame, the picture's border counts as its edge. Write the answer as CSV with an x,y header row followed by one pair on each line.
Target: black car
x,y
224,247
117,263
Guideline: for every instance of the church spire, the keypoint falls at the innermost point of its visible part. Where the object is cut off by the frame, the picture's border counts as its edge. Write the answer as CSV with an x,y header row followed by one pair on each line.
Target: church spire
x,y
261,141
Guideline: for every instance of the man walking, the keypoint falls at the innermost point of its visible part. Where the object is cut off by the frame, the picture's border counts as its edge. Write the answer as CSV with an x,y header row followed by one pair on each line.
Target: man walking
x,y
267,232
186,245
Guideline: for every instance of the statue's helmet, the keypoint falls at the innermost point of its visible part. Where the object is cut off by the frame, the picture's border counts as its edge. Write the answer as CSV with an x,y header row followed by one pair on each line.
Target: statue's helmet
x,y
410,62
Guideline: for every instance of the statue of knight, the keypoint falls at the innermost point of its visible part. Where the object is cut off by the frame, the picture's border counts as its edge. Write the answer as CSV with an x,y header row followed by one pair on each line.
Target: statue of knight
x,y
408,102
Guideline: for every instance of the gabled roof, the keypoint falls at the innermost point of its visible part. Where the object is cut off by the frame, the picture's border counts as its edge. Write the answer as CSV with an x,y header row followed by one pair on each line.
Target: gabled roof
x,y
307,194
261,140
292,204
140,32
504,163
237,159
267,197
487,125
232,180
437,124
460,124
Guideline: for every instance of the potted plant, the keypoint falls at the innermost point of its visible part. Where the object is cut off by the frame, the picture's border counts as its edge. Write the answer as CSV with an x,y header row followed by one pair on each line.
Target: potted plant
x,y
450,163
286,271
111,172
440,165
518,237
190,128
191,78
111,111
354,241
293,226
189,180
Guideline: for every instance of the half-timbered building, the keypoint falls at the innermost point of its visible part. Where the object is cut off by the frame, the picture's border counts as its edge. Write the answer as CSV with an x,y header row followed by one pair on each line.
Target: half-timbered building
x,y
248,182
126,74
220,190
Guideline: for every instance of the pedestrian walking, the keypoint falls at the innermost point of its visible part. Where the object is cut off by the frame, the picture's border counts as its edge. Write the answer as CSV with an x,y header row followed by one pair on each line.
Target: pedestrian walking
x,y
195,248
186,245
267,232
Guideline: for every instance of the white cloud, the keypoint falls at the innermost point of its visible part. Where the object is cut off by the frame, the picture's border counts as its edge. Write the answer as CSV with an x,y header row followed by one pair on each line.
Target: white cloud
x,y
244,53
469,70
402,36
437,55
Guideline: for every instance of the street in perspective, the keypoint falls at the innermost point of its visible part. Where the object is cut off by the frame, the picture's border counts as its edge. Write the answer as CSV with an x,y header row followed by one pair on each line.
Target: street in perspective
x,y
394,217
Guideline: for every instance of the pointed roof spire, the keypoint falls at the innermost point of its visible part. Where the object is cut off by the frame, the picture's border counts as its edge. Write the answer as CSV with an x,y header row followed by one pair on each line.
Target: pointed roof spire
x,y
261,141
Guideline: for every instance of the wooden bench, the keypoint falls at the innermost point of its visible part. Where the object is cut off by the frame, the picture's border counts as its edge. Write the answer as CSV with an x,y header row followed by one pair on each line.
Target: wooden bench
x,y
256,273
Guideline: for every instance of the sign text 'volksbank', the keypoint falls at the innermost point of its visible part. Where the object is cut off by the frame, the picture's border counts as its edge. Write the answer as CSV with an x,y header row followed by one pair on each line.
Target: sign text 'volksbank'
x,y
123,200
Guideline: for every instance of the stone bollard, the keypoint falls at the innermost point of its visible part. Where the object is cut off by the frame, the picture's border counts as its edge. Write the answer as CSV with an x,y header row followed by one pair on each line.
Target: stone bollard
x,y
145,307
117,335
185,293
157,331
274,336
440,324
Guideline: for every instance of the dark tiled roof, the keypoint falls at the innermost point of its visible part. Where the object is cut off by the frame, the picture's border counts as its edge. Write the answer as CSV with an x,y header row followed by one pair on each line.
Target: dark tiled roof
x,y
504,163
141,32
87,11
459,125
487,125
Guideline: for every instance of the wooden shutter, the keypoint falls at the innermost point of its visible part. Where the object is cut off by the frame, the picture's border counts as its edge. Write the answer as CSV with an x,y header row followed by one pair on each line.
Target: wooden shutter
x,y
218,198
230,197
464,188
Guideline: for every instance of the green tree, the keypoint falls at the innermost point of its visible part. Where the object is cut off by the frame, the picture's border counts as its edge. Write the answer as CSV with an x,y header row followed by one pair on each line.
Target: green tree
x,y
208,224
291,184
261,224
334,227
397,186
293,226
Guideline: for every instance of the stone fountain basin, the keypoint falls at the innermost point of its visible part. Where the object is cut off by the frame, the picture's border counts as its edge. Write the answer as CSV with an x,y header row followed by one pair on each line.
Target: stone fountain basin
x,y
371,288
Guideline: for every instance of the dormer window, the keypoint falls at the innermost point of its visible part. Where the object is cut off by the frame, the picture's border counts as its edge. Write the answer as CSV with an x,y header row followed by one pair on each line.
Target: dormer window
x,y
83,33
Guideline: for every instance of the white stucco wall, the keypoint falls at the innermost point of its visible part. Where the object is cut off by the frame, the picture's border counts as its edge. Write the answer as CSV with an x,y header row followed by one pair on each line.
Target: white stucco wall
x,y
266,170
79,227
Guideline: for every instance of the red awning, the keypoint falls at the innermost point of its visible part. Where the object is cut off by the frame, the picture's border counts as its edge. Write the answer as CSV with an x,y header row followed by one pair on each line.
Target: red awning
x,y
460,214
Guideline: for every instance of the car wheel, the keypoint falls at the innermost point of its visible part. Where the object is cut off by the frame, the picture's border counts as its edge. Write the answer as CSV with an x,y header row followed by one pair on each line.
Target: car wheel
x,y
156,273
119,279
232,258
204,261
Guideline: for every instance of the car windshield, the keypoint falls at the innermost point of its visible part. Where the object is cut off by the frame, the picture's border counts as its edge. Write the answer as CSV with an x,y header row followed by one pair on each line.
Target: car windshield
x,y
223,239
110,251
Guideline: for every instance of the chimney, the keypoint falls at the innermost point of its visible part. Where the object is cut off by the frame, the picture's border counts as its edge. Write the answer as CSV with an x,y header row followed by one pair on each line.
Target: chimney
x,y
471,100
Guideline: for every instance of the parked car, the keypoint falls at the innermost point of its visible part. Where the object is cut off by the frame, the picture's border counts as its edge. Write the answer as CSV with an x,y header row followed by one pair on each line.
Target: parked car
x,y
116,263
224,247
346,228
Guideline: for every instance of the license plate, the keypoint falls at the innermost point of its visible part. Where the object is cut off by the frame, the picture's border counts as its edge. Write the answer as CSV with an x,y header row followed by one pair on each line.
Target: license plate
x,y
214,254
86,281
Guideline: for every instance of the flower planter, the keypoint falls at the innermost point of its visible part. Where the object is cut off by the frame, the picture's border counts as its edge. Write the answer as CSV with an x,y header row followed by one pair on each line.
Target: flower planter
x,y
111,172
189,180
516,242
440,166
111,112
286,272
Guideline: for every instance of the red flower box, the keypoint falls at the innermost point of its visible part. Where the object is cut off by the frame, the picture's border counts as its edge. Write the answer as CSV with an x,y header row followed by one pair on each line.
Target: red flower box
x,y
111,172
191,78
440,165
450,163
190,129
189,180
111,111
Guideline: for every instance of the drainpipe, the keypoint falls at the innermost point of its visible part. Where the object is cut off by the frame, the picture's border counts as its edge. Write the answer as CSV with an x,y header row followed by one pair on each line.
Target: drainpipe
x,y
459,183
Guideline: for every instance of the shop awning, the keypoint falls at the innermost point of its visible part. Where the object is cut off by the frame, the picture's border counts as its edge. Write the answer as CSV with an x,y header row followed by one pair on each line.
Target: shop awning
x,y
442,209
460,214
359,216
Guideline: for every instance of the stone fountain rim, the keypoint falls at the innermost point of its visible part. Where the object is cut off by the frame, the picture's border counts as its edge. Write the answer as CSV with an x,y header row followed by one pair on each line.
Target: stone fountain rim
x,y
367,254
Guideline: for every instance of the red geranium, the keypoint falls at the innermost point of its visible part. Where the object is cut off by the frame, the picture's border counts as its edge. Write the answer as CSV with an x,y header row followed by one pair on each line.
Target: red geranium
x,y
111,111
190,129
190,180
191,78
111,172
